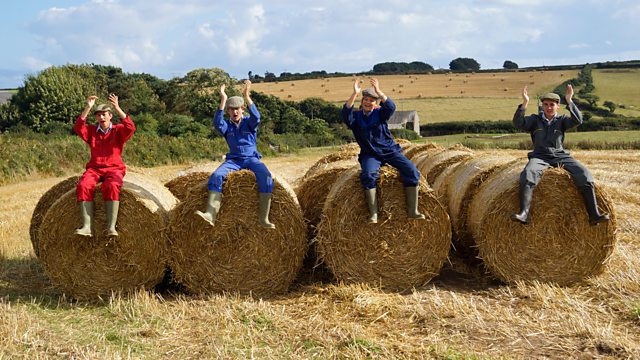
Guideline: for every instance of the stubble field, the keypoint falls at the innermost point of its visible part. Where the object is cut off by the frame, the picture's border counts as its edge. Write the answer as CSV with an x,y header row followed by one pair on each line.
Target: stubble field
x,y
454,316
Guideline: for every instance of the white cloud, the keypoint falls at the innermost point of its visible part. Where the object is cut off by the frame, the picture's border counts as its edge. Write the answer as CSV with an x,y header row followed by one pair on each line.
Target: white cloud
x,y
246,42
578,46
34,64
206,31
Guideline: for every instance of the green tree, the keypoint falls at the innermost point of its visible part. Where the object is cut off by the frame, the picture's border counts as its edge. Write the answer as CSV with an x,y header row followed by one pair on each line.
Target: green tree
x,y
181,125
56,95
464,64
610,105
508,64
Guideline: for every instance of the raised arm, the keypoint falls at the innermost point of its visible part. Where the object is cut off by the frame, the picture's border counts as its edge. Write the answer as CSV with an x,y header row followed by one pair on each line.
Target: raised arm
x,y
80,127
129,128
376,86
519,119
354,95
218,118
576,115
246,91
113,99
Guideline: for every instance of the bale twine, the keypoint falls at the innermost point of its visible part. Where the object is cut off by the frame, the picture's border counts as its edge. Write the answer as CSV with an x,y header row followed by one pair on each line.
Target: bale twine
x,y
180,185
45,202
397,253
462,185
237,254
348,154
414,150
558,246
97,266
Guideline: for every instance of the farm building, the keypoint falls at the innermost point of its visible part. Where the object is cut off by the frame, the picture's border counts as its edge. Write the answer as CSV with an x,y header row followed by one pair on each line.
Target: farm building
x,y
4,97
405,120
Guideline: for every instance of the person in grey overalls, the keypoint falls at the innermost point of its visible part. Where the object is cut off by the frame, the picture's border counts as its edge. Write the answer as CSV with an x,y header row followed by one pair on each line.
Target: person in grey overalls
x,y
547,134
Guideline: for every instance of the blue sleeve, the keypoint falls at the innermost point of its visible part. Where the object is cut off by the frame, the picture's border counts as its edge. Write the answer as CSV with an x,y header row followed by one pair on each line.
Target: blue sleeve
x,y
347,115
218,122
254,117
387,109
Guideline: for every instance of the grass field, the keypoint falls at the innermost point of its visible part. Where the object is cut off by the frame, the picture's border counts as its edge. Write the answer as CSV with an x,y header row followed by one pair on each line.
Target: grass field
x,y
436,97
456,316
621,87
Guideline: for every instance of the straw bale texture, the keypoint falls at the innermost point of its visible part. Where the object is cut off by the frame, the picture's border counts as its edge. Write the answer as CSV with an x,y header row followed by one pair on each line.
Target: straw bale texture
x,y
404,143
348,154
237,254
397,253
462,185
91,267
558,246
431,166
180,185
414,150
46,200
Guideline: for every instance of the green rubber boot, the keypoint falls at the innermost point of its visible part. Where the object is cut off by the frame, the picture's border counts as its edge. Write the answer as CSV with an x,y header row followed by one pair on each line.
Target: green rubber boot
x,y
265,208
213,206
111,210
372,204
411,193
86,214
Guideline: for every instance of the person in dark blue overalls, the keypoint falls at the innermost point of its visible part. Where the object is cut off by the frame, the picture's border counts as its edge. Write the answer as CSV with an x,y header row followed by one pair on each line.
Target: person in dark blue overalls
x,y
547,130
377,147
240,133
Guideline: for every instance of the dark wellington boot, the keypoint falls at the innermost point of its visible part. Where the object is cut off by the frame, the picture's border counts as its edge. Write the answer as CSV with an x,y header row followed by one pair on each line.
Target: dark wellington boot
x,y
526,194
591,203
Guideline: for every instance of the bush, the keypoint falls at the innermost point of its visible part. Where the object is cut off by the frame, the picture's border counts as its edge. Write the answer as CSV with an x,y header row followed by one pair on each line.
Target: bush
x,y
180,126
404,134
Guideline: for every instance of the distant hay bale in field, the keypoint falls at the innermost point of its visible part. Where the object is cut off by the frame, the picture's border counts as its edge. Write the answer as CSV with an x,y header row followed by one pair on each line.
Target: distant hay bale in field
x,y
431,167
413,151
237,254
100,265
558,246
462,185
181,185
347,154
397,253
45,202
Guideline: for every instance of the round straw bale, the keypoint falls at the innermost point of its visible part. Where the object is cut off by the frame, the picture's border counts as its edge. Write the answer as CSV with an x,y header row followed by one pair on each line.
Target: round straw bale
x,y
237,254
96,266
348,154
413,151
397,253
462,186
431,167
441,184
558,246
45,202
404,143
180,185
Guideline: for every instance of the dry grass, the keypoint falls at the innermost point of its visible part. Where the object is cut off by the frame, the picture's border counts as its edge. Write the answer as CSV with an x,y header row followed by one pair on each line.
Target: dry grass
x,y
455,316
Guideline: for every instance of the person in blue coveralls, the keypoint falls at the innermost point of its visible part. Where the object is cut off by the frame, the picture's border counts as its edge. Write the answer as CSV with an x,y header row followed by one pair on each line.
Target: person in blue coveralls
x,y
240,134
547,129
377,147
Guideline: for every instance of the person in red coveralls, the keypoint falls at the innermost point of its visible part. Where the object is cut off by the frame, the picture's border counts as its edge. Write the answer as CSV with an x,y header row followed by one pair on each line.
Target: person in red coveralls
x,y
106,141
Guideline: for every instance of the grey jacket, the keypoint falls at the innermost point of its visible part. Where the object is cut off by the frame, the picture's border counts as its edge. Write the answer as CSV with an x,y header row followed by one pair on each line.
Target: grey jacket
x,y
547,138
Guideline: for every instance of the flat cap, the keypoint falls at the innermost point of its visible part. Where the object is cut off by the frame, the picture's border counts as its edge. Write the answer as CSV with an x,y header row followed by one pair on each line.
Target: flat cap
x,y
103,108
235,102
551,96
370,92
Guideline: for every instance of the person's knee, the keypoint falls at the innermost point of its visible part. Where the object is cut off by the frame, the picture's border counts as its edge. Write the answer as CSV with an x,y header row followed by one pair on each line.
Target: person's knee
x,y
369,179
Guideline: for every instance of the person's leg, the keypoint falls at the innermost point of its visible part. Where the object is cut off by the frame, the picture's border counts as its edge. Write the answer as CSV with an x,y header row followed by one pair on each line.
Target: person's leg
x,y
265,189
529,178
214,186
368,177
84,195
410,177
585,183
111,185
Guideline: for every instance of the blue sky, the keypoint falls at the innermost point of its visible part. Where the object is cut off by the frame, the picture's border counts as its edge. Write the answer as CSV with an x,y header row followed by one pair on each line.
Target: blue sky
x,y
168,38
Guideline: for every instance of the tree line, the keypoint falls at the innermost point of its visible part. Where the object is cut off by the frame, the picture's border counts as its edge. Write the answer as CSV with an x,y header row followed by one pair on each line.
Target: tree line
x,y
50,101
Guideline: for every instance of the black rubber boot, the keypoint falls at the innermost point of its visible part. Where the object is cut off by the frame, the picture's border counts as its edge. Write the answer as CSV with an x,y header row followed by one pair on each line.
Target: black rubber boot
x,y
526,193
591,203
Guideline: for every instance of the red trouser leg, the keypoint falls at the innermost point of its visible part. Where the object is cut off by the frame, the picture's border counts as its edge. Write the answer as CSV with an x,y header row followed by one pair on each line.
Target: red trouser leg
x,y
111,184
87,185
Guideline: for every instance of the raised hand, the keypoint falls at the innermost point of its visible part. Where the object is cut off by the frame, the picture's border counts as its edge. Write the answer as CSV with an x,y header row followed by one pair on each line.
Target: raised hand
x,y
91,100
525,96
246,88
113,99
569,93
376,85
356,86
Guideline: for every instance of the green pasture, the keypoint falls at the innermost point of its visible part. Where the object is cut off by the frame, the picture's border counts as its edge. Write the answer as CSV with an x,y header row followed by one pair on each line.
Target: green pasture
x,y
622,86
583,140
